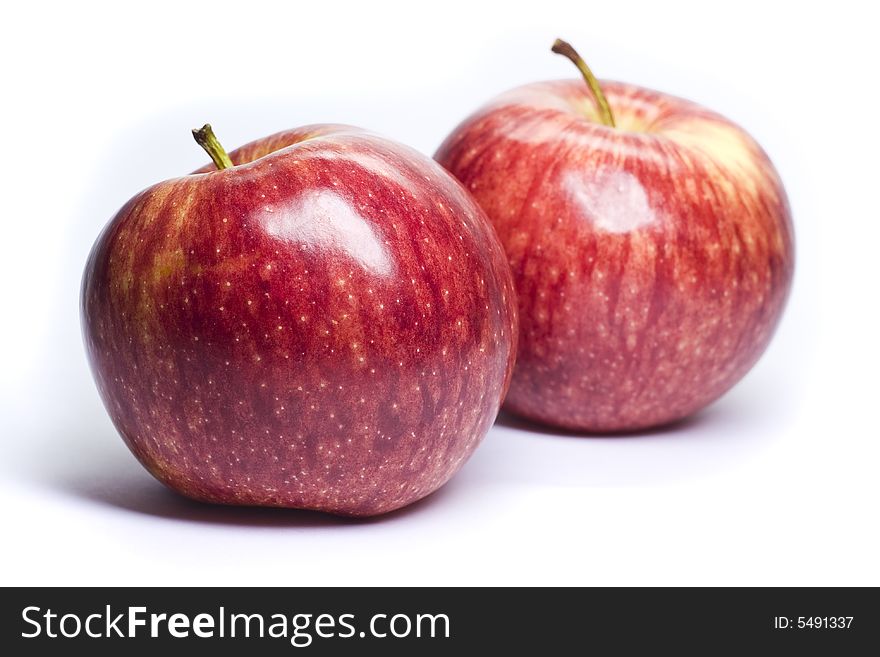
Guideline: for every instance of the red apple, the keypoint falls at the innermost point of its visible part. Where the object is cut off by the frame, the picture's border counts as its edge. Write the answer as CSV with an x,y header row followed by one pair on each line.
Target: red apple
x,y
652,258
328,324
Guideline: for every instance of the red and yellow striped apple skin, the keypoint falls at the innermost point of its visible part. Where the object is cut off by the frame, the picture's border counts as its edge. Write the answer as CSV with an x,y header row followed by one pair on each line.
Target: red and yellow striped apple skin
x,y
652,261
329,327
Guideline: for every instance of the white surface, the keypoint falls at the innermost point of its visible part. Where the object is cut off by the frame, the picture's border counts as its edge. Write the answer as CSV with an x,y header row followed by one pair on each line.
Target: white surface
x,y
775,484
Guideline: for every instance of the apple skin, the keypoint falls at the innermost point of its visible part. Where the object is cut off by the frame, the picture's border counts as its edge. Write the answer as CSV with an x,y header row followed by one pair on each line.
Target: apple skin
x,y
330,326
652,261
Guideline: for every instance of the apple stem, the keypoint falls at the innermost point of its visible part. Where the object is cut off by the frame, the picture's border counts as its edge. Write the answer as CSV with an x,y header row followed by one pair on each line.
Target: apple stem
x,y
205,138
561,47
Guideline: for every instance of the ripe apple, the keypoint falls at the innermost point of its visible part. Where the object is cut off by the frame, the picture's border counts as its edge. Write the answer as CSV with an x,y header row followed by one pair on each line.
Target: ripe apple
x,y
650,241
325,320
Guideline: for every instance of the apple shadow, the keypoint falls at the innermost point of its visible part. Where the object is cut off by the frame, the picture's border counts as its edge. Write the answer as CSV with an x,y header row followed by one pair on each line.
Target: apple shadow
x,y
721,437
110,476
91,464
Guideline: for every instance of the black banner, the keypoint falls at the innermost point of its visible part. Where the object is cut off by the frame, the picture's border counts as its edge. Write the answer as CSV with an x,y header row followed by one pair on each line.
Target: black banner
x,y
281,621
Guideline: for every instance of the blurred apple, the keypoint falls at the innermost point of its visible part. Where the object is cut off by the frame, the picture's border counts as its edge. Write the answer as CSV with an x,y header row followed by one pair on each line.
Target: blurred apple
x,y
650,241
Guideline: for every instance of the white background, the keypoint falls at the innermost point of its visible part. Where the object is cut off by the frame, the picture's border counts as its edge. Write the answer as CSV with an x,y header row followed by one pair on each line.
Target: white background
x,y
775,484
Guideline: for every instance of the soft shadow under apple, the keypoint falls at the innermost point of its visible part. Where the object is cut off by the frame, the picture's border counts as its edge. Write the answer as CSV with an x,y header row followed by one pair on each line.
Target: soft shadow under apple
x,y
720,438
93,465
106,474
